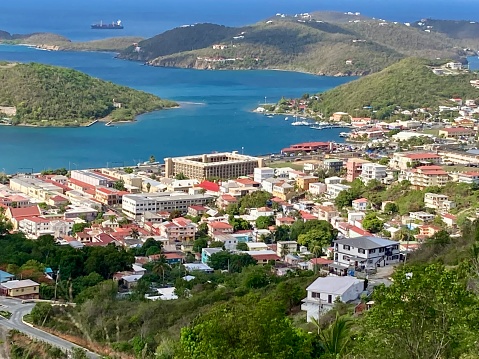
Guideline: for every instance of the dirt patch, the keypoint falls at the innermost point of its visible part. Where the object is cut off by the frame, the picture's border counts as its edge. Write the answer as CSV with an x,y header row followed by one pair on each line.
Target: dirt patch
x,y
91,346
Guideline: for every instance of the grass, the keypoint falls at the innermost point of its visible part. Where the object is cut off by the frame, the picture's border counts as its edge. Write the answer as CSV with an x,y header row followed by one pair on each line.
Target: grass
x,y
457,168
434,132
294,165
5,314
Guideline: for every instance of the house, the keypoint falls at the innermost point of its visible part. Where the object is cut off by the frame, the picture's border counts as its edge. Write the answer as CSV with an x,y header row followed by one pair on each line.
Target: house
x,y
196,211
225,200
333,190
261,212
229,241
206,253
449,219
292,259
178,230
22,289
325,212
257,246
438,201
364,253
202,267
469,177
219,228
360,204
421,216
15,215
324,291
319,264
264,257
373,171
288,221
283,190
303,182
286,247
332,165
317,188
129,281
428,230
5,276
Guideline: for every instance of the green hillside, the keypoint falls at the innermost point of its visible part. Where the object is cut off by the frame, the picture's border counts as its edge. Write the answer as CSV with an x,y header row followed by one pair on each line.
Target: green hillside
x,y
53,96
409,84
466,31
321,43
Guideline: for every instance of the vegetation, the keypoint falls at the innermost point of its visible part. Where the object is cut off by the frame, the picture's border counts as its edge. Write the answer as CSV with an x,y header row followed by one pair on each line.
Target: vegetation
x,y
408,84
328,46
46,95
465,31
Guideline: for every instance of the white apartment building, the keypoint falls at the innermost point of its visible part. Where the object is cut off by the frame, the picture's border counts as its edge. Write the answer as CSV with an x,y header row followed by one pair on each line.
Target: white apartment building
x,y
262,173
324,291
332,190
268,183
286,247
317,189
38,226
135,205
438,201
365,253
469,177
91,178
373,171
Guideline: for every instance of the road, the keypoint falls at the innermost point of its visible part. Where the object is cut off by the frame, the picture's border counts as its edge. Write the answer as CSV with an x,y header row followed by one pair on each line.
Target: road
x,y
18,310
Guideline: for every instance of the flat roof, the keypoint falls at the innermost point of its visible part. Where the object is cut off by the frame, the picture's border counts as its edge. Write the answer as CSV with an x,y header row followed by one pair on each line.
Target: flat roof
x,y
197,160
15,284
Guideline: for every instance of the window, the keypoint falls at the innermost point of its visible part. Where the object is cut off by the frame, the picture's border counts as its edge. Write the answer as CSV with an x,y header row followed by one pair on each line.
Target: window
x,y
330,298
362,251
315,295
372,251
346,247
381,250
346,258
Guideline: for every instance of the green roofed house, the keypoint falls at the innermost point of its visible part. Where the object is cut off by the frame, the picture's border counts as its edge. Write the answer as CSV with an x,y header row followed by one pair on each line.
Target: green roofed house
x,y
4,276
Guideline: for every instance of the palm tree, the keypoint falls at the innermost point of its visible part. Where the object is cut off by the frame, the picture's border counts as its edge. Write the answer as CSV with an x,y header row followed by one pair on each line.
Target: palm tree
x,y
148,187
112,218
336,338
134,233
160,265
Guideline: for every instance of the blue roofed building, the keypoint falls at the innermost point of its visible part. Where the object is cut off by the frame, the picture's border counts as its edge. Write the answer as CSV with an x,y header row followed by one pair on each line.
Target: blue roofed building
x,y
5,277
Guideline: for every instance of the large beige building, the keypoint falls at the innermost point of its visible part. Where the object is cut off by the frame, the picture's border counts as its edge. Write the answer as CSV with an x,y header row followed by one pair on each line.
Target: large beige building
x,y
217,165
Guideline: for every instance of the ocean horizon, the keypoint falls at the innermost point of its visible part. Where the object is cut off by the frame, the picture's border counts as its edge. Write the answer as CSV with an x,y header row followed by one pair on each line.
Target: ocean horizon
x,y
147,18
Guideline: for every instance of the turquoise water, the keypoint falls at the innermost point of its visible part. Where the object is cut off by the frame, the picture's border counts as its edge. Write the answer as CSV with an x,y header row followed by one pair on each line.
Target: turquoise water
x,y
215,115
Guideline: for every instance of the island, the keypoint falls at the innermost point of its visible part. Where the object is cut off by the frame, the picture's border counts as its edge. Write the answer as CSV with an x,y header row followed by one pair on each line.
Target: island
x,y
322,43
407,85
42,95
54,42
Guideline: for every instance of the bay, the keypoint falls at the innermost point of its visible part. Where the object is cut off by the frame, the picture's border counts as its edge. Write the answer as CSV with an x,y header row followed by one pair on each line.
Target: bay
x,y
215,115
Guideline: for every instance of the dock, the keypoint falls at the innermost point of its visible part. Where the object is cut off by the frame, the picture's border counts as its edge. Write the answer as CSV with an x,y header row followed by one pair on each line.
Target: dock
x,y
91,123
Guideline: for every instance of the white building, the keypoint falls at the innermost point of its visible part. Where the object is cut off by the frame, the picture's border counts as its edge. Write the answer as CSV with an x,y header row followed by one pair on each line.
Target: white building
x,y
324,291
360,204
438,201
38,226
262,173
364,253
317,189
332,190
135,205
373,171
269,183
91,178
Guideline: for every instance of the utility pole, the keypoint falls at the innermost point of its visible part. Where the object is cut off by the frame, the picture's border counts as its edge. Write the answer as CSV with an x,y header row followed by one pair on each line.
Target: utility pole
x,y
56,284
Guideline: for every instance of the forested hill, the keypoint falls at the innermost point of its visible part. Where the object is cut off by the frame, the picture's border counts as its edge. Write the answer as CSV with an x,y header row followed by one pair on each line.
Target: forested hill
x,y
466,31
46,95
409,84
321,43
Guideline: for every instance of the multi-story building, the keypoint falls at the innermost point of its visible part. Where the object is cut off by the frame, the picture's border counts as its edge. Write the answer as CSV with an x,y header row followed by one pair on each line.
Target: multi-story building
x,y
38,226
303,182
325,213
269,183
206,253
92,178
219,227
317,188
360,204
283,190
218,165
35,187
438,201
354,168
178,230
469,177
332,165
135,205
260,174
364,253
373,171
455,133
286,247
332,190
426,176
109,196
404,160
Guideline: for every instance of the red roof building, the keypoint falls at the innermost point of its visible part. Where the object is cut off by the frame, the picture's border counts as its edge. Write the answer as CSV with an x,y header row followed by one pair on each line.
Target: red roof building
x,y
308,147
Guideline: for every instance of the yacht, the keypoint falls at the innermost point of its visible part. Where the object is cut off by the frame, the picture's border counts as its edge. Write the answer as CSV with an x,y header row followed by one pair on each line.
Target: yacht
x,y
297,123
343,134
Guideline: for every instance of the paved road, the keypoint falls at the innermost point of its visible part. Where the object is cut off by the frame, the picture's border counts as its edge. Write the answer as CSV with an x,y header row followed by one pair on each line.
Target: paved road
x,y
18,310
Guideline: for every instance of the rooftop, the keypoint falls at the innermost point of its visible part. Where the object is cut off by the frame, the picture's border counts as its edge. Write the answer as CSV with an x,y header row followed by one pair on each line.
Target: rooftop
x,y
333,284
17,284
366,242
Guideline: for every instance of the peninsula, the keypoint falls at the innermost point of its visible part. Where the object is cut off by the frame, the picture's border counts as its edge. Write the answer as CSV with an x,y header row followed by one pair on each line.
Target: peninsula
x,y
324,43
42,95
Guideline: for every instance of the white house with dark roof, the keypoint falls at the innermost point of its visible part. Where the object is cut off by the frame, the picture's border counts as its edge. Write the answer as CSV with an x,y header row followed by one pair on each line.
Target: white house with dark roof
x,y
324,291
364,253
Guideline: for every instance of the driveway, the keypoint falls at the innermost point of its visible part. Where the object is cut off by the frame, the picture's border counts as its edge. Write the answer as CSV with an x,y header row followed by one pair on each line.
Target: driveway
x,y
18,310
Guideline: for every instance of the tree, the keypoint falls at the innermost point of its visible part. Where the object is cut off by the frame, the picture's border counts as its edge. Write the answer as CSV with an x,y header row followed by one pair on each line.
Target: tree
x,y
134,233
199,244
161,265
234,262
180,176
152,159
148,187
119,185
239,223
336,338
372,223
427,313
128,170
242,246
316,238
263,222
249,327
391,208
345,199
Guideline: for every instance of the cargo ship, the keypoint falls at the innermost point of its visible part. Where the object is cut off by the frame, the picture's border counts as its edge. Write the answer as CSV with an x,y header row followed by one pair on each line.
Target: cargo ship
x,y
114,25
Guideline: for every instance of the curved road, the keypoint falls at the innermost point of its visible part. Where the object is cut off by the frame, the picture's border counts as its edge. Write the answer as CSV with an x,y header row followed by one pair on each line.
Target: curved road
x,y
18,310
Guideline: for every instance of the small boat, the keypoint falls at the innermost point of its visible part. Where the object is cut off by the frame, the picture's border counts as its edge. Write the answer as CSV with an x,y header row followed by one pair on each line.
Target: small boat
x,y
270,116
343,134
297,123
286,118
